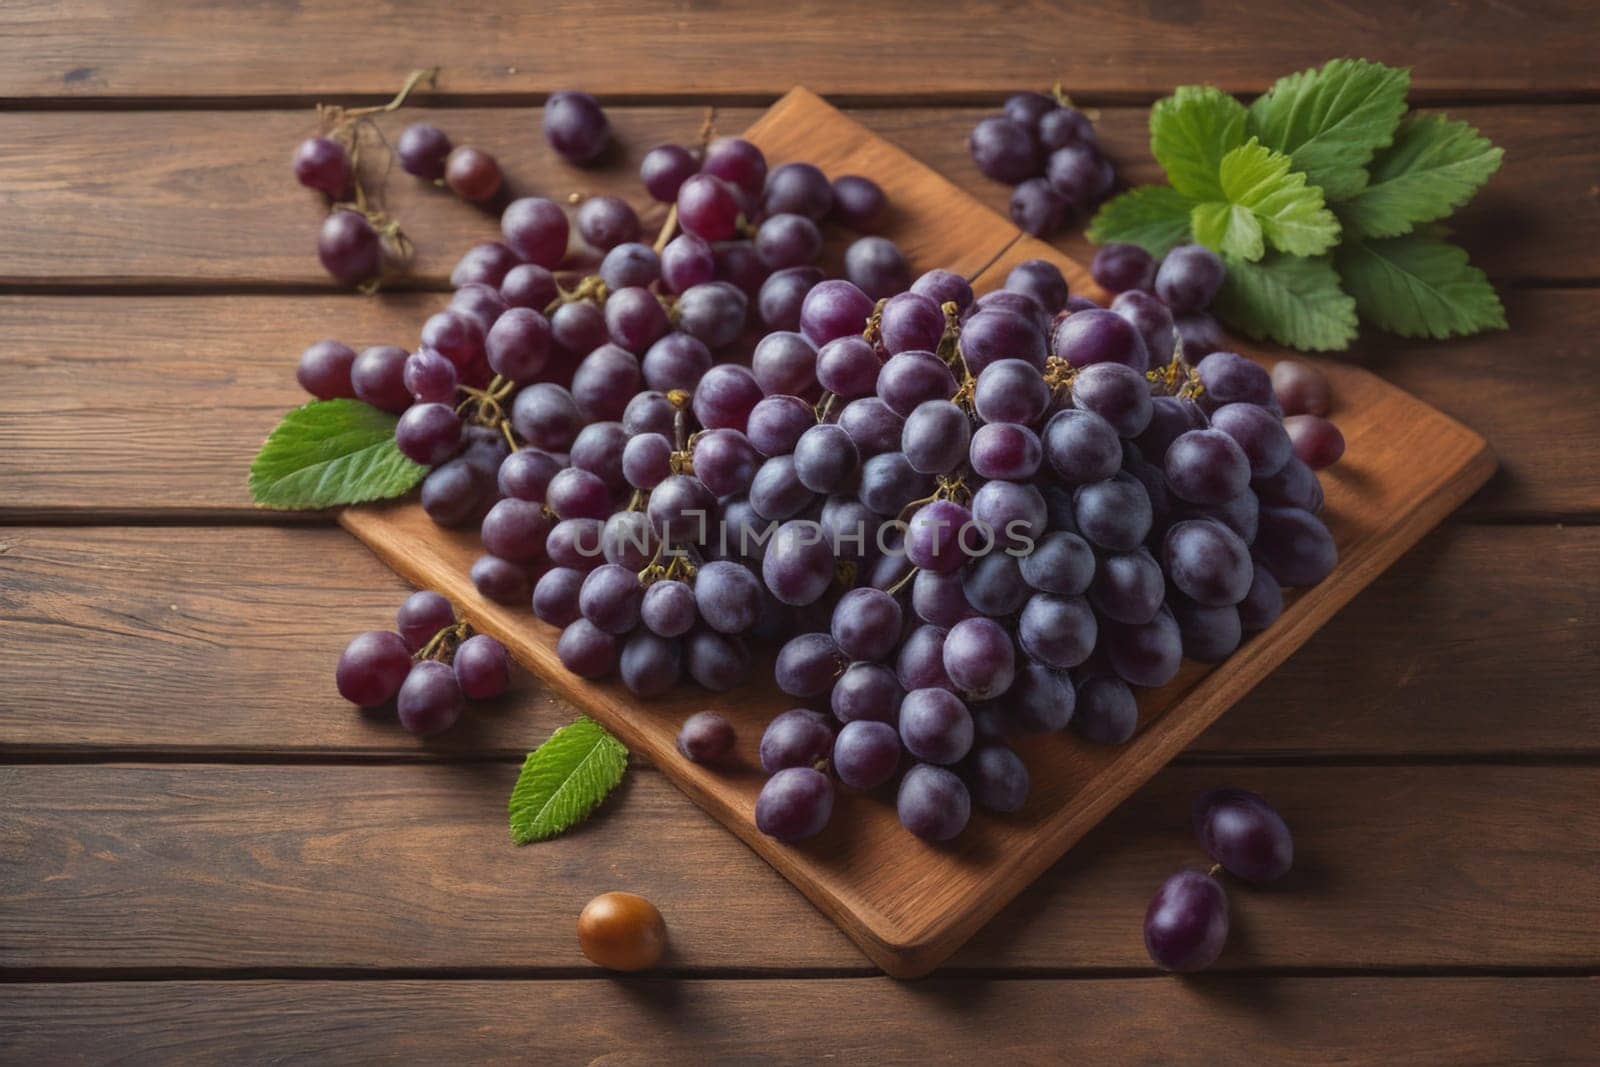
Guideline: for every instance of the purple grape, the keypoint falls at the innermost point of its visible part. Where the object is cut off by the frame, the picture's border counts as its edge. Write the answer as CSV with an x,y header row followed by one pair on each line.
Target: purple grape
x,y
1186,925
787,241
605,380
944,287
1263,604
324,370
933,803
586,650
598,449
555,596
1040,701
737,162
785,364
728,596
1295,546
455,335
708,208
322,164
783,294
935,726
1230,378
866,754
1100,336
1037,208
866,624
1259,434
630,263
610,598
1081,447
518,345
935,437
1107,712
372,668
546,416
1057,631
1316,442
1040,279
428,433
997,778
716,661
1061,562
1189,278
776,423
825,458
866,691
1114,514
650,665
664,169
669,608
1145,654
1074,172
486,263
995,334
1300,388
1128,587
1210,634
1011,390
1199,335
1150,317
430,701
800,189
910,378
422,615
834,309
472,174
422,150
500,580
1119,268
1206,467
794,804
681,508
877,266
872,425
453,494
713,312
577,544
635,319
578,494
576,126
348,247
1241,831
979,658
1028,108
605,222
911,321
482,668
1062,126
858,202
515,530
799,565
686,262
807,666
1004,150
705,737
528,286
1005,451
537,230
676,361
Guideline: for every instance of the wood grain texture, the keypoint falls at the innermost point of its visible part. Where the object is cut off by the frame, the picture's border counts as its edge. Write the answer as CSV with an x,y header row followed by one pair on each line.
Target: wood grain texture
x,y
205,197
1422,663
907,904
86,49
1450,1022
138,871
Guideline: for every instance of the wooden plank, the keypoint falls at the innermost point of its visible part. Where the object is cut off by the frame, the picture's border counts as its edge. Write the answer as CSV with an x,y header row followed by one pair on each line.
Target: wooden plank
x,y
89,49
1426,659
147,870
167,606
1205,1020
908,905
206,196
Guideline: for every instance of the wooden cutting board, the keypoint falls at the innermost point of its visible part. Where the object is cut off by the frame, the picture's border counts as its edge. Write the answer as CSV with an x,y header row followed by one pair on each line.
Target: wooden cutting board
x,y
909,904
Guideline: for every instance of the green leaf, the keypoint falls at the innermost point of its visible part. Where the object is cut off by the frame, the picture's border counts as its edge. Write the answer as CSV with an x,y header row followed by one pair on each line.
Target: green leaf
x,y
1419,286
1294,300
1290,212
1154,217
1434,166
331,452
564,780
1229,228
1331,121
1190,132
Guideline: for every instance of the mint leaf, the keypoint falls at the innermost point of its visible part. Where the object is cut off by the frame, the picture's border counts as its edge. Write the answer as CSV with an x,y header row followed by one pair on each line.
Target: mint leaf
x,y
1228,228
1190,132
1419,286
1294,300
1290,212
1433,167
564,780
331,452
1154,217
1331,121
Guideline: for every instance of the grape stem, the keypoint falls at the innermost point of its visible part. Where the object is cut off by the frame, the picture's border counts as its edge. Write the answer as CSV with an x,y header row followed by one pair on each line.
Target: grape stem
x,y
442,645
901,584
589,287
668,229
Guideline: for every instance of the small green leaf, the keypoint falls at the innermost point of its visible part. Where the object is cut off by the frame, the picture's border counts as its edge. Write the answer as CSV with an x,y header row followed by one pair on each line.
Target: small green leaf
x,y
1294,300
1434,166
1229,228
564,780
331,452
1190,132
1331,121
1154,217
1291,213
1419,286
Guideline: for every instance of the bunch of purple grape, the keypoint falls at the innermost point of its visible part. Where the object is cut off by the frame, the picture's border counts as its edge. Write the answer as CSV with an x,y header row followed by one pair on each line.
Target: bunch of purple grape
x,y
429,665
1186,926
1079,518
1049,151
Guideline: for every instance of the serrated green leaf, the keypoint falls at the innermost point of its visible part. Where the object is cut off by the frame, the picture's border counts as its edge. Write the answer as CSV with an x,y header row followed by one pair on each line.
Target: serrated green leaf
x,y
1190,132
1294,300
564,780
331,452
1433,167
1290,212
1331,121
1419,286
1229,228
1154,217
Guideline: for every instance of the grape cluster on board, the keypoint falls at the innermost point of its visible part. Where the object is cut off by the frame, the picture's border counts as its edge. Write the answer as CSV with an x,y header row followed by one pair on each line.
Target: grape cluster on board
x,y
430,665
962,518
1049,151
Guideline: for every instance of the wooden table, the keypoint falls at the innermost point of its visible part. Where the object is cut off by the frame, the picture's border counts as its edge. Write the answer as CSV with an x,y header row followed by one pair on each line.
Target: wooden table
x,y
205,855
